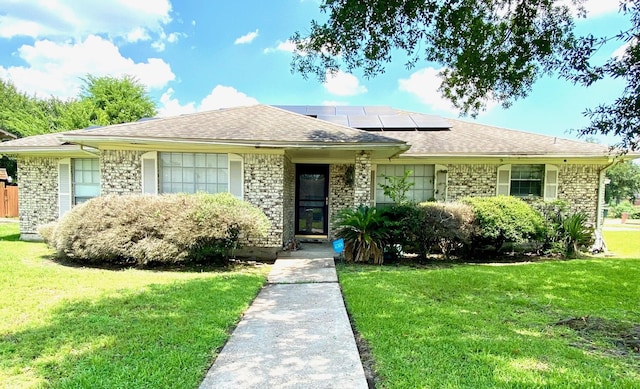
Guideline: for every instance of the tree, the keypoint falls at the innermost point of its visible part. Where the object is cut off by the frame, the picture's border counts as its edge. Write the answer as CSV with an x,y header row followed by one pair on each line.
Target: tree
x,y
489,50
103,101
624,182
114,100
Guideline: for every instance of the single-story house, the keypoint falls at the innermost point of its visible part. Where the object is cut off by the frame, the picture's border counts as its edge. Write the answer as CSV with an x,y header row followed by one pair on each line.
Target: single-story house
x,y
302,164
4,135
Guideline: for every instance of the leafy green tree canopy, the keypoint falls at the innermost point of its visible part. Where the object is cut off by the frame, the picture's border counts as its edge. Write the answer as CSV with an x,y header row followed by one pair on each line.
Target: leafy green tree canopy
x,y
489,50
112,100
624,182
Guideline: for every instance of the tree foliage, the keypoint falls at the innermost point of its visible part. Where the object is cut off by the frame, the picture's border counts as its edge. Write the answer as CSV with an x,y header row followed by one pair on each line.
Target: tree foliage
x,y
624,182
489,50
102,101
111,100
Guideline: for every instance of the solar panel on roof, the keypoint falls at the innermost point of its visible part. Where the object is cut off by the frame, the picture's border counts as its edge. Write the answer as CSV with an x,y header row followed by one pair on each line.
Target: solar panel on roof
x,y
350,110
321,110
145,119
430,121
365,122
378,110
397,121
301,109
342,120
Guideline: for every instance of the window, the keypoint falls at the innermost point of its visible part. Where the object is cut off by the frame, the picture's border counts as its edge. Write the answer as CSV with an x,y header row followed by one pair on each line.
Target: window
x,y
86,179
193,172
422,177
528,180
78,181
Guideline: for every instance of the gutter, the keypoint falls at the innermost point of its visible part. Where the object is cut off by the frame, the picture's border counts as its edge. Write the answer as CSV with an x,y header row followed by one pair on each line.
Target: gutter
x,y
311,145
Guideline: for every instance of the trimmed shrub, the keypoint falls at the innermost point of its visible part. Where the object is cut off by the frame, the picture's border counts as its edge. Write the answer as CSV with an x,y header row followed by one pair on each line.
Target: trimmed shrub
x,y
504,219
447,226
144,229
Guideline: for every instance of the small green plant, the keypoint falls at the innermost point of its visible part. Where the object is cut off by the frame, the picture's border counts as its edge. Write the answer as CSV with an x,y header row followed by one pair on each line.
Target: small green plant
x,y
364,232
396,188
576,233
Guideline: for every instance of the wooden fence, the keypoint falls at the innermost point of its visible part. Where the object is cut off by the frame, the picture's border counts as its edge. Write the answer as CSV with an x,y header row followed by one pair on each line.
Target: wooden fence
x,y
8,200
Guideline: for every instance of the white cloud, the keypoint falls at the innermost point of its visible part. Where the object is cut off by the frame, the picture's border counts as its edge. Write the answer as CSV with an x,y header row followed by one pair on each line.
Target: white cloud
x,y
170,106
130,20
56,68
286,46
343,84
220,97
246,38
424,85
224,97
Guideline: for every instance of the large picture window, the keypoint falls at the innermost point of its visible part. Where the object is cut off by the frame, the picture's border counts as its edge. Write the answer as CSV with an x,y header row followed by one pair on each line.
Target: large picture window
x,y
193,172
86,179
422,177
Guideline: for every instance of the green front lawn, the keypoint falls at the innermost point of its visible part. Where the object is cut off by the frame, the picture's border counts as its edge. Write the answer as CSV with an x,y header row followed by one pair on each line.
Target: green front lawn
x,y
549,324
71,327
624,244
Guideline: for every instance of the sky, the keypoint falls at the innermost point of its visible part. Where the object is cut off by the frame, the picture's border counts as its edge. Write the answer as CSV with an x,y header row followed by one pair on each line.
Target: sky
x,y
200,55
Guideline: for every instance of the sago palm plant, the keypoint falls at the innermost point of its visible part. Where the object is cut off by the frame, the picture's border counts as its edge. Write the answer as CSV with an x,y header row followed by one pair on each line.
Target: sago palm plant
x,y
364,232
577,233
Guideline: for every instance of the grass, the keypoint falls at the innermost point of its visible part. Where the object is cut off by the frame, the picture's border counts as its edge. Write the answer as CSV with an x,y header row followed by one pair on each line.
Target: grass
x,y
70,327
624,244
547,324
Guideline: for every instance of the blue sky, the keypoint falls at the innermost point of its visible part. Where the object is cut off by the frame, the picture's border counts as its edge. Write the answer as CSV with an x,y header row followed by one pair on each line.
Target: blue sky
x,y
201,55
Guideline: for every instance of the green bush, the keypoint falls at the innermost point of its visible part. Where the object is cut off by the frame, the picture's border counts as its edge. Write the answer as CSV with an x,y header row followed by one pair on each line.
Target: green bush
x,y
616,211
143,229
447,226
504,219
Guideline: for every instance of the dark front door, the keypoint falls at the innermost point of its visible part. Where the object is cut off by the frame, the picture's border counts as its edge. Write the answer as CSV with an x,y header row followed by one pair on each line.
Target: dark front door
x,y
312,195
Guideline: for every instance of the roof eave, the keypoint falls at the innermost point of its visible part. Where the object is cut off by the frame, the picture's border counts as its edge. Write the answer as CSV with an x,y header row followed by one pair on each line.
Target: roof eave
x,y
98,140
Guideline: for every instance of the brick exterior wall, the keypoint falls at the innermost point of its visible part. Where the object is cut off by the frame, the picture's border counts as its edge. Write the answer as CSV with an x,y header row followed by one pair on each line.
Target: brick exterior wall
x,y
289,198
362,179
38,199
471,180
577,184
341,195
121,172
264,187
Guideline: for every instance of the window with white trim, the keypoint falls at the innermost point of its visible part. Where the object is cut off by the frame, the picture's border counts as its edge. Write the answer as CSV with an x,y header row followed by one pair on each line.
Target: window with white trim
x,y
423,178
193,172
523,180
86,179
178,172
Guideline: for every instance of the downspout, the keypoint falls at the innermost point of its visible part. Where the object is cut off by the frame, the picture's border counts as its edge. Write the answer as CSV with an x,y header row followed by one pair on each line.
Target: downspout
x,y
601,188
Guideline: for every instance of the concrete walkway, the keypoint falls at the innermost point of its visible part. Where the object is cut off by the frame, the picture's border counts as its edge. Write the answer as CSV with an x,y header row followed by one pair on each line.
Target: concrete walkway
x,y
296,334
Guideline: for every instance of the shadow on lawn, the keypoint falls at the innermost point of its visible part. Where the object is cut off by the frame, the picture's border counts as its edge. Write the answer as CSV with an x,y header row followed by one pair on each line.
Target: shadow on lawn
x,y
487,326
161,337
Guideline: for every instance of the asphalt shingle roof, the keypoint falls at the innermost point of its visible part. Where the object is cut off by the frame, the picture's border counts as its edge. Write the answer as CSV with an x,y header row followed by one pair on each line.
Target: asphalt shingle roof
x,y
477,139
255,124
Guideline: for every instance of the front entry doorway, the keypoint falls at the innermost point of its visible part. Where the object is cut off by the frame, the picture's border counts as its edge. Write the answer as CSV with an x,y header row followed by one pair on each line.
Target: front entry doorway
x,y
312,200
